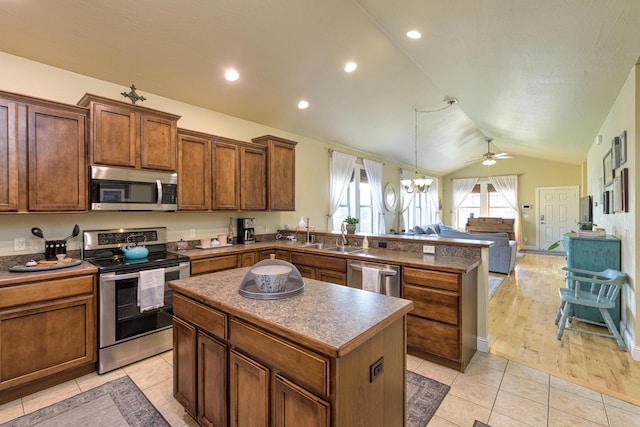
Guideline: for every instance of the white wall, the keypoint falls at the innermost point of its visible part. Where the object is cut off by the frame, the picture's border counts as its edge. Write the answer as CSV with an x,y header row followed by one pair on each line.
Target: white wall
x,y
624,115
26,77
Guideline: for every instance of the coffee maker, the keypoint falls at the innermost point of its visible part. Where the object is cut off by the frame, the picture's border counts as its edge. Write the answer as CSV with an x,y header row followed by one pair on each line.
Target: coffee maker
x,y
246,230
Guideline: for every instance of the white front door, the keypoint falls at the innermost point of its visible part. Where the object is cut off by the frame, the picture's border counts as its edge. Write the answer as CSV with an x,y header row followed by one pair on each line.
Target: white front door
x,y
558,211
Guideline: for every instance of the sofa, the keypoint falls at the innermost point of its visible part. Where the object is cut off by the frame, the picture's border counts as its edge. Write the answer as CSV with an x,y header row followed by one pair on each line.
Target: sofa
x,y
502,255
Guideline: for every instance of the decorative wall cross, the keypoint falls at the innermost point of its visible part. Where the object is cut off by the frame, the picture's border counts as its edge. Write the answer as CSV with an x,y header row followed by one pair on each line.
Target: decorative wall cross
x,y
133,96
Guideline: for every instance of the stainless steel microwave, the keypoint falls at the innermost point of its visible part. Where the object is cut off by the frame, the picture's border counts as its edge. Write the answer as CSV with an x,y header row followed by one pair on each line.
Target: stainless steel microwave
x,y
115,189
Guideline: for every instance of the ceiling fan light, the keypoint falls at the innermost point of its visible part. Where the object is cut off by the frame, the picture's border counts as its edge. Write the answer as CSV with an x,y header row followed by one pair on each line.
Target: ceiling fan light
x,y
488,162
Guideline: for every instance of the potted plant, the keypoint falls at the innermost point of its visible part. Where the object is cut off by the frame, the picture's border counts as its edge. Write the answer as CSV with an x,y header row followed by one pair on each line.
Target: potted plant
x,y
351,224
586,225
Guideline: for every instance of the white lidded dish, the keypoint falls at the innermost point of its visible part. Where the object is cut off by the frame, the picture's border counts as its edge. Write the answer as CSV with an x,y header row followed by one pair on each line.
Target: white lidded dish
x,y
272,279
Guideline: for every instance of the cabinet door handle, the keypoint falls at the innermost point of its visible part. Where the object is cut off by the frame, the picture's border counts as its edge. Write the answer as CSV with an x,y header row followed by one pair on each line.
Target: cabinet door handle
x,y
159,187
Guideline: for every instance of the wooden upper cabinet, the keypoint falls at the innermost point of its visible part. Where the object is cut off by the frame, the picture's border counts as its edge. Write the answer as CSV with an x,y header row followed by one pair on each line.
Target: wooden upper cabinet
x,y
253,176
194,171
281,172
56,147
157,142
113,141
8,156
128,135
225,170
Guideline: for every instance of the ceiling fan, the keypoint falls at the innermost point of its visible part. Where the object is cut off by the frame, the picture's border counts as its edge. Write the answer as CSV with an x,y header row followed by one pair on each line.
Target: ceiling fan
x,y
490,158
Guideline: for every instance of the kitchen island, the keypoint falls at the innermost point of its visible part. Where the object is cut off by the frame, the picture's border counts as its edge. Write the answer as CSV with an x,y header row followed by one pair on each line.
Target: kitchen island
x,y
331,356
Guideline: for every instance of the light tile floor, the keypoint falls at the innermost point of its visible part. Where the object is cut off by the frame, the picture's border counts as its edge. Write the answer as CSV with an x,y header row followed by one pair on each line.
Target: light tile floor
x,y
493,390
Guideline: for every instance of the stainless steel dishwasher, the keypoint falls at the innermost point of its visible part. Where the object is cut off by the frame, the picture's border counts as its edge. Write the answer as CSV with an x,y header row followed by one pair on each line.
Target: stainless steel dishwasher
x,y
389,276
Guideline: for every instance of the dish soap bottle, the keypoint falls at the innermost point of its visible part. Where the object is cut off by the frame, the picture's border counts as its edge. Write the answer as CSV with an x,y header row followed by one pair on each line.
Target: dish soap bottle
x,y
230,234
365,243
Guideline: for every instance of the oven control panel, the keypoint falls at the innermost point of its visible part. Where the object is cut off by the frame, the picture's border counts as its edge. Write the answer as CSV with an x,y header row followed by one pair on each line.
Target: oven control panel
x,y
102,239
128,237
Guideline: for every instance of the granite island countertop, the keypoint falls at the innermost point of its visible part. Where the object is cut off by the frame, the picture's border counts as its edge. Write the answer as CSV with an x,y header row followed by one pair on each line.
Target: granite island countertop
x,y
328,318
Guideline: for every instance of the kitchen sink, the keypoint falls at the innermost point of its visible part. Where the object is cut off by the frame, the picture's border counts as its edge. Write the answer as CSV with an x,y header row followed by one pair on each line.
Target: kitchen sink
x,y
344,249
319,246
332,248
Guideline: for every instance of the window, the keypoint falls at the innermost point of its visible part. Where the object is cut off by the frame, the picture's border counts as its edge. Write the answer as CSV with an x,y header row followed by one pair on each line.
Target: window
x,y
483,201
422,209
358,202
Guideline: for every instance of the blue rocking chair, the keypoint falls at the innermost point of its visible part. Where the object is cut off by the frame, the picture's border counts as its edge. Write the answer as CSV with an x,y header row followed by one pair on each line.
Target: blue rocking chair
x,y
591,289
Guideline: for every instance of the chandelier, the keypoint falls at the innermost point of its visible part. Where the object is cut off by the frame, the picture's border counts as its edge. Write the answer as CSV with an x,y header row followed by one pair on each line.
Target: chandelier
x,y
418,184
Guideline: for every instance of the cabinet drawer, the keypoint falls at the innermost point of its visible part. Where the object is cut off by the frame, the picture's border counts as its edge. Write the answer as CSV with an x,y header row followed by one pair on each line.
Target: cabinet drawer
x,y
433,337
46,290
434,304
202,266
319,261
433,279
204,317
301,366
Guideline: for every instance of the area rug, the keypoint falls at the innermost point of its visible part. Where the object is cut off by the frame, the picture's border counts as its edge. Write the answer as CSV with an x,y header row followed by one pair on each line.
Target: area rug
x,y
424,396
116,403
494,284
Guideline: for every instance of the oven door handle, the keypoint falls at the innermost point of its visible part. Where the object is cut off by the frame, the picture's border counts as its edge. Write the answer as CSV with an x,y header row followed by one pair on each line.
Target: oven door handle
x,y
114,277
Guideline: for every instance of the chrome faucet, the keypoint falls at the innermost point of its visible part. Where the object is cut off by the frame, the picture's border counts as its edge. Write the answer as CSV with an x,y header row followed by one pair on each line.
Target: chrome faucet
x,y
308,240
342,231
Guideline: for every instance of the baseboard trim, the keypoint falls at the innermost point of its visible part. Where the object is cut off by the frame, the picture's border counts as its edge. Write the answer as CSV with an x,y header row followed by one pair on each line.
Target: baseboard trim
x,y
482,344
634,350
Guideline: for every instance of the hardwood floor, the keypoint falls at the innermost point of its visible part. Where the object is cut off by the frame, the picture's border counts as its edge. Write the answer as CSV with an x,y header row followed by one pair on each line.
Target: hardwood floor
x,y
522,329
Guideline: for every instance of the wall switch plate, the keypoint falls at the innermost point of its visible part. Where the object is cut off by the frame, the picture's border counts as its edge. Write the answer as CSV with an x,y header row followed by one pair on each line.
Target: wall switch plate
x,y
428,249
192,232
19,244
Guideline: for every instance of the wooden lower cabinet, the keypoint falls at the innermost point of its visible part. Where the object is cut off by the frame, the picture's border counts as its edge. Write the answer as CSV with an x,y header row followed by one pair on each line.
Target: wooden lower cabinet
x,y
279,254
212,381
297,404
47,334
442,327
206,366
321,267
248,392
216,263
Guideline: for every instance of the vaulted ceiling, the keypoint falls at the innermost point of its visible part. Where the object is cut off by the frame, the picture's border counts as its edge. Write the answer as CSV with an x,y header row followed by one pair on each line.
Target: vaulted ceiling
x,y
537,76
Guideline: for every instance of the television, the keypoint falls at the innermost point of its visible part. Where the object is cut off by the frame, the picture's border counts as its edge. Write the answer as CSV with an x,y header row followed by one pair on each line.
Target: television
x,y
586,209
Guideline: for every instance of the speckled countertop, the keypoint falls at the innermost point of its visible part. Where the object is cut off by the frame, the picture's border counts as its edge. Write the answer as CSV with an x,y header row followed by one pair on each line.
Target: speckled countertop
x,y
454,264
8,278
329,319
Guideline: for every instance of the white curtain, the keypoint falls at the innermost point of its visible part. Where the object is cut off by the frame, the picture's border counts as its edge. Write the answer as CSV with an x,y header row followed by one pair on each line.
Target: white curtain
x,y
374,175
341,170
461,189
405,199
507,187
432,201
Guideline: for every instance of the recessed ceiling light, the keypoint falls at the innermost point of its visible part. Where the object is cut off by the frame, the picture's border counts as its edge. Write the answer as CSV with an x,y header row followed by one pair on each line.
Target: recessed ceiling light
x,y
231,75
413,34
303,104
350,66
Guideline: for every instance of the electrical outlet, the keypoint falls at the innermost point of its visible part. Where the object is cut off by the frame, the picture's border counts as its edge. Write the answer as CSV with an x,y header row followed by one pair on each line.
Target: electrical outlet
x,y
19,244
382,245
192,232
376,369
428,249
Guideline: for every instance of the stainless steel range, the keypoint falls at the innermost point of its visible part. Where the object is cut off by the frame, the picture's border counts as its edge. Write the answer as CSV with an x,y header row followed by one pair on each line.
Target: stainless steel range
x,y
129,329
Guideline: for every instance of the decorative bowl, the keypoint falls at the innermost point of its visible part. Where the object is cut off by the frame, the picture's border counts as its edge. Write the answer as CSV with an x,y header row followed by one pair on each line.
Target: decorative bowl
x,y
271,278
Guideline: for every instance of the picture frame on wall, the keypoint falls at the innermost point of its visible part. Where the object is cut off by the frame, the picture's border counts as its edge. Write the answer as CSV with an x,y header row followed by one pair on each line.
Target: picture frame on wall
x,y
615,152
607,168
617,194
624,178
623,147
